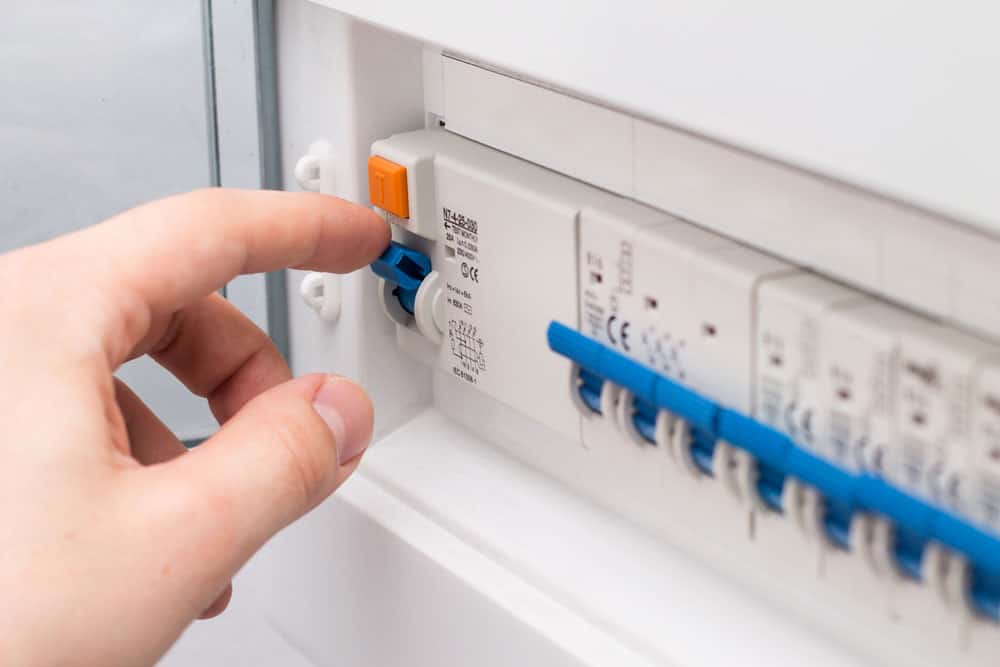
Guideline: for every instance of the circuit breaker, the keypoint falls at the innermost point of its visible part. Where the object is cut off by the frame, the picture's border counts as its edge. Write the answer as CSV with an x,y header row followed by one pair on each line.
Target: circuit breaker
x,y
799,415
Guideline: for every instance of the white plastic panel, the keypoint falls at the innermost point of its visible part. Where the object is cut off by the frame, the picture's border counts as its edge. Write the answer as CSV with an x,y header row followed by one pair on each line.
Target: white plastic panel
x,y
887,95
433,80
496,578
804,218
583,140
917,267
973,282
928,263
847,233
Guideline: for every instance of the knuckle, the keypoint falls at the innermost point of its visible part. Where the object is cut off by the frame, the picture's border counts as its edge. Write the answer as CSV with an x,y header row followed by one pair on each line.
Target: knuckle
x,y
171,333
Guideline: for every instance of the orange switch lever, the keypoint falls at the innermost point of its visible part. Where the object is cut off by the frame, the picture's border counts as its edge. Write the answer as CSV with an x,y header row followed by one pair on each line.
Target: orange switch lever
x,y
387,186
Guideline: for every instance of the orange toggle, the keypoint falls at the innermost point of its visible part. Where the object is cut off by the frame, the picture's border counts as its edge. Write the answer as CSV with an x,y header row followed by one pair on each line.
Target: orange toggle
x,y
387,186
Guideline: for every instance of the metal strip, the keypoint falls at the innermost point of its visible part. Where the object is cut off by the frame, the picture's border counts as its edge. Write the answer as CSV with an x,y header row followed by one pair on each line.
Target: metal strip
x,y
270,157
212,121
248,151
212,124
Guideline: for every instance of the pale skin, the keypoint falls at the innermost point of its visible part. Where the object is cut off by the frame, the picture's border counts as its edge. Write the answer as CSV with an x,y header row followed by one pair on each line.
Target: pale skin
x,y
113,537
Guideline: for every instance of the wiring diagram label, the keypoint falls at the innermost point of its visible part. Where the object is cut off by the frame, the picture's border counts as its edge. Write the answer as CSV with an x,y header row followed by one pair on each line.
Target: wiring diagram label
x,y
464,274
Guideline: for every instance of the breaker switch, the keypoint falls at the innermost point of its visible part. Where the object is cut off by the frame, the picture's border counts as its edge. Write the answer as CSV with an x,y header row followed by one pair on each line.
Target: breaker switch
x,y
387,186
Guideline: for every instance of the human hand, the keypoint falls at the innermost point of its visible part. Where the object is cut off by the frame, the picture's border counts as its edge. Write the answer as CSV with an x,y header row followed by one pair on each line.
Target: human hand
x,y
112,537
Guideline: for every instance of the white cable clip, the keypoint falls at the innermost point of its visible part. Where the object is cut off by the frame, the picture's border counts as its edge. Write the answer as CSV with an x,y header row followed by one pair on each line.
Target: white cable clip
x,y
314,171
322,293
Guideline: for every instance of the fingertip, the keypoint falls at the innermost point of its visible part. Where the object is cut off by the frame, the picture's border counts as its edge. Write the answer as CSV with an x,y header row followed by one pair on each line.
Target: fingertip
x,y
348,412
351,237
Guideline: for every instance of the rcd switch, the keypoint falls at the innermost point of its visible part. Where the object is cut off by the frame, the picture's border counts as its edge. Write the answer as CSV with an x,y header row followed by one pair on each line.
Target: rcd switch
x,y
500,237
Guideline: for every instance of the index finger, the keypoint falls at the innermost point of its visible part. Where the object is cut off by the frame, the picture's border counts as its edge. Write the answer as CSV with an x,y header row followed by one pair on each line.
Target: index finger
x,y
156,259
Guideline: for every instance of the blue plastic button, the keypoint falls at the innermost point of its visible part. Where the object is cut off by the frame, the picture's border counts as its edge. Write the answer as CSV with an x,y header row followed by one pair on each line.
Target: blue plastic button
x,y
405,267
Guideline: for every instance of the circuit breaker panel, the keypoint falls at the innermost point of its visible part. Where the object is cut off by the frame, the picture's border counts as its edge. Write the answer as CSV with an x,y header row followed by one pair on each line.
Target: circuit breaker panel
x,y
812,431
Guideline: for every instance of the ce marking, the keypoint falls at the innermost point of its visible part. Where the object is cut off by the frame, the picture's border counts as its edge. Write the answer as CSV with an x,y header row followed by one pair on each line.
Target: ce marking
x,y
470,272
622,329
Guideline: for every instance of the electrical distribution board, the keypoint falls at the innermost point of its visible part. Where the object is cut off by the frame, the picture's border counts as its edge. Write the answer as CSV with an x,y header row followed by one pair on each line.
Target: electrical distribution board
x,y
674,371
790,420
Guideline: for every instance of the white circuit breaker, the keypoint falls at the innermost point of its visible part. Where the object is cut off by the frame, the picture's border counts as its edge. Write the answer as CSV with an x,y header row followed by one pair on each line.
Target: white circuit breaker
x,y
984,483
937,371
859,356
479,315
789,324
611,311
682,331
675,297
726,286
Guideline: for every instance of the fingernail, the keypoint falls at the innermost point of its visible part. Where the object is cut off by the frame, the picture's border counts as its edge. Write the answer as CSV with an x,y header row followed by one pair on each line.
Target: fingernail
x,y
347,411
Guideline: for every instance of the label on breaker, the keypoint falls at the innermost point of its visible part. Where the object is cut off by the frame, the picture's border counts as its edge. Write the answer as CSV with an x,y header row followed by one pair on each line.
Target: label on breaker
x,y
464,339
859,348
858,426
787,354
506,262
611,303
664,348
790,394
634,288
607,287
933,422
985,467
667,258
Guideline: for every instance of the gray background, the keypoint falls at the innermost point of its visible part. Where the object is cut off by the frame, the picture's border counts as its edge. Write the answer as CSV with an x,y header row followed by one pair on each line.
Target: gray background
x,y
103,106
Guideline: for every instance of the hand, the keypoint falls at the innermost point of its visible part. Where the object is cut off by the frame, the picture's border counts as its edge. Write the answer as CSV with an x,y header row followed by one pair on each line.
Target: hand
x,y
112,537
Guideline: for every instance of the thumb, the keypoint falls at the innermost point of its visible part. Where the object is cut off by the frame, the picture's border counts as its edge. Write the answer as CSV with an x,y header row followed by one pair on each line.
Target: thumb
x,y
274,460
